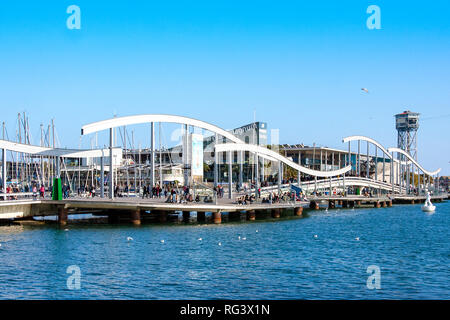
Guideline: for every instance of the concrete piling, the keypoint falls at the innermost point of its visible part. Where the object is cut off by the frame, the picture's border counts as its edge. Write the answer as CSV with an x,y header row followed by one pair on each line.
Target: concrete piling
x,y
217,217
298,211
135,217
331,204
314,205
251,215
62,216
276,213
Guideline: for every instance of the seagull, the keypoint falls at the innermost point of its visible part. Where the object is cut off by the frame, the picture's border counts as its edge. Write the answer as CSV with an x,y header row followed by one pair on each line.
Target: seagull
x,y
220,243
239,238
244,238
316,236
357,238
365,90
256,231
162,241
129,239
66,230
199,239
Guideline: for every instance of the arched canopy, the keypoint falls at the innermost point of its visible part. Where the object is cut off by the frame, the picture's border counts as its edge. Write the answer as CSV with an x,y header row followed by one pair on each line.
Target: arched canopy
x,y
264,151
52,152
406,154
147,118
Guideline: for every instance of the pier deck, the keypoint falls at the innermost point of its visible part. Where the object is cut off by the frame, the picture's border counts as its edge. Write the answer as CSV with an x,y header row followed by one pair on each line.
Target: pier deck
x,y
135,207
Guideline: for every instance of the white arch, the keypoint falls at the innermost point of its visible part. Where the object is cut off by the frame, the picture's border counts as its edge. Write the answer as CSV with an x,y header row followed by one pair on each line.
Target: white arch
x,y
379,145
398,150
147,118
261,150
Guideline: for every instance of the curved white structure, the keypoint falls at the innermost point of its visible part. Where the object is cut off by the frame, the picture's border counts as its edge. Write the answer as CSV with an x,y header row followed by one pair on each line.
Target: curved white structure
x,y
23,148
50,152
264,151
147,118
374,142
406,154
355,138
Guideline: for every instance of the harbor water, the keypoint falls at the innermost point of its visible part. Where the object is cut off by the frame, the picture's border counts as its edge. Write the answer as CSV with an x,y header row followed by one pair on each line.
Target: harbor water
x,y
318,256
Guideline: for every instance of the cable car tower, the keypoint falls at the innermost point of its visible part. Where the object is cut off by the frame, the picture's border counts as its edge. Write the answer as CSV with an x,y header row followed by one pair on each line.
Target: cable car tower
x,y
407,124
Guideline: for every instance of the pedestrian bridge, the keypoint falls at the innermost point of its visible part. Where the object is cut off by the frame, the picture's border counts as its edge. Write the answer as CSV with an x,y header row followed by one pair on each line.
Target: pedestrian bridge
x,y
402,169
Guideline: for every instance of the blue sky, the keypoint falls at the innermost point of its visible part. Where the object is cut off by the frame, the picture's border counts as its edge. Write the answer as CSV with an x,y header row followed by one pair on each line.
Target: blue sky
x,y
300,65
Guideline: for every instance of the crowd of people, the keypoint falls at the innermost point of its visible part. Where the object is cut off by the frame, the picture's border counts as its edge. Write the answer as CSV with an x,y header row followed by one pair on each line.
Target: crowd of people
x,y
173,193
33,190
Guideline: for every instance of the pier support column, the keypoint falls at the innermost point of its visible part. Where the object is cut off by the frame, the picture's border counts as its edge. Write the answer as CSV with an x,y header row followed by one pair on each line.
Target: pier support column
x,y
331,204
276,213
314,205
412,201
358,203
201,217
135,217
217,217
351,204
384,204
251,215
298,211
62,216
389,203
377,204
186,216
344,204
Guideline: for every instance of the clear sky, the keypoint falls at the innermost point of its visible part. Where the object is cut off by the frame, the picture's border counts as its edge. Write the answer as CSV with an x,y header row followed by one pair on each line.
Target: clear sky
x,y
300,65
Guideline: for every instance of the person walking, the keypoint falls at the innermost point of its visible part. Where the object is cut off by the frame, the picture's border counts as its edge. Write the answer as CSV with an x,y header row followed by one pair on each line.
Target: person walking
x,y
42,191
34,192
